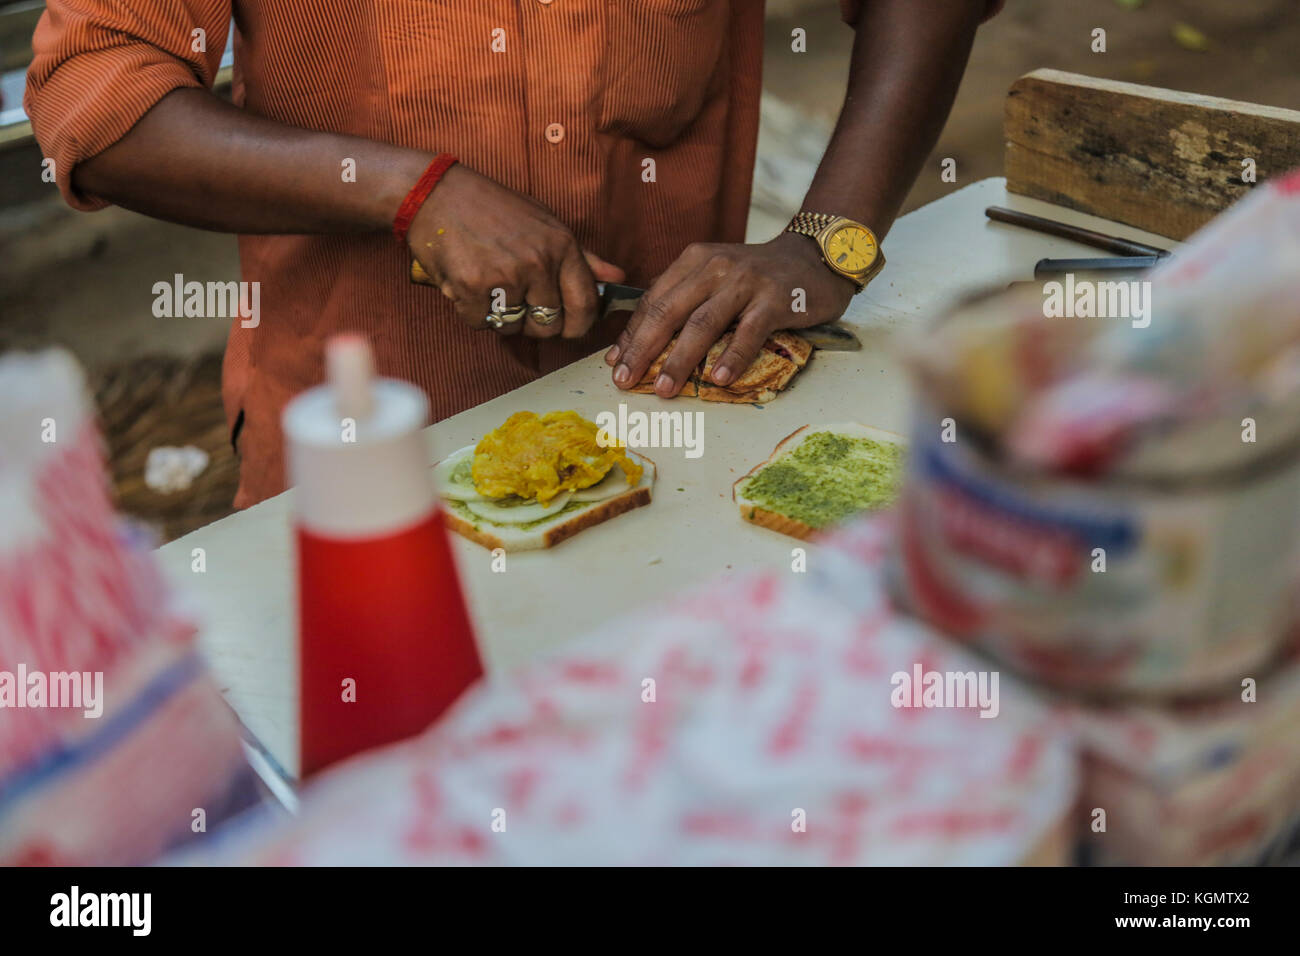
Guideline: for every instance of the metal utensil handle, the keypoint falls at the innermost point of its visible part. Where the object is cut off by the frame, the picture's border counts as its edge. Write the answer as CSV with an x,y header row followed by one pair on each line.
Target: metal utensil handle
x,y
1089,237
418,275
1050,267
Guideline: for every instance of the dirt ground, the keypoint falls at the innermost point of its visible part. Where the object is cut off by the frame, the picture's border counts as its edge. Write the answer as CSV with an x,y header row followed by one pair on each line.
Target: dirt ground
x,y
84,281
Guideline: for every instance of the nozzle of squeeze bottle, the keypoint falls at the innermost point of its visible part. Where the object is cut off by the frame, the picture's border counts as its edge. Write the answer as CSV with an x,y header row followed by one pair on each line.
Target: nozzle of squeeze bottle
x,y
349,369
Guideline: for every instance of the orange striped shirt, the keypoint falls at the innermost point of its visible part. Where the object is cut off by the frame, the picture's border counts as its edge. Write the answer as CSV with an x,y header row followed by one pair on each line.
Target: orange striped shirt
x,y
585,91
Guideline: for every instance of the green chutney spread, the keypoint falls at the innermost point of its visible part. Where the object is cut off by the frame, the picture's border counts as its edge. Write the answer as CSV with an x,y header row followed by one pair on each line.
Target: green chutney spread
x,y
827,478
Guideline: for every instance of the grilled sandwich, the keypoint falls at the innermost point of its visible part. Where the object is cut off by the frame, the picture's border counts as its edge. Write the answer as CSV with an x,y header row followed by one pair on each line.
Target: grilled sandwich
x,y
782,356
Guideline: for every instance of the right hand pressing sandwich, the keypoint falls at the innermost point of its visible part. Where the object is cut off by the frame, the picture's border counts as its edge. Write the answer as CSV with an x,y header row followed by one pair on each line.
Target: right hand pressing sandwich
x,y
820,475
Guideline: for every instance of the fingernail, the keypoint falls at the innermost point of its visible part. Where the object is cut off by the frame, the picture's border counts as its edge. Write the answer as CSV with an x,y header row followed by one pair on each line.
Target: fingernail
x,y
622,374
612,355
722,375
664,385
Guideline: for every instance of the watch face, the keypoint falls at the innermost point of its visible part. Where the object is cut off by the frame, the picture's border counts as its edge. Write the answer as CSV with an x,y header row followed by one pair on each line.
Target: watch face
x,y
852,248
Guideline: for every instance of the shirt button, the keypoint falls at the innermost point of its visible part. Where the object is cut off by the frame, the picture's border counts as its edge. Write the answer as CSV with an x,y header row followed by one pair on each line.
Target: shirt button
x,y
545,3
554,133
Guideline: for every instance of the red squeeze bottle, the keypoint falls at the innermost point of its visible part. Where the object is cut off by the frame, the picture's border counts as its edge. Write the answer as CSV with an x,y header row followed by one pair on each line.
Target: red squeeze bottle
x,y
384,638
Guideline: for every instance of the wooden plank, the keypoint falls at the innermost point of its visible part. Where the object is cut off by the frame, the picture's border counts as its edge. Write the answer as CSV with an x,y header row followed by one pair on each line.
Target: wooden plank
x,y
1161,160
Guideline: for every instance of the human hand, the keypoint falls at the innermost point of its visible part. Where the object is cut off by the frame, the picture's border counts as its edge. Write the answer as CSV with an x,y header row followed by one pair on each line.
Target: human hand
x,y
486,246
711,286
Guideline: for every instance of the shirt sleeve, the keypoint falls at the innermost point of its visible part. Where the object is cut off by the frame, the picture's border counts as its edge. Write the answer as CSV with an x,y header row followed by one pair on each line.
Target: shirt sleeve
x,y
850,9
100,65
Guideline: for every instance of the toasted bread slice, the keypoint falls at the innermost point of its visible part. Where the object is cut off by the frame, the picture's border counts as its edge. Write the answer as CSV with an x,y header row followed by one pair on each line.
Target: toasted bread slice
x,y
790,345
575,517
647,384
783,355
769,372
715,393
756,513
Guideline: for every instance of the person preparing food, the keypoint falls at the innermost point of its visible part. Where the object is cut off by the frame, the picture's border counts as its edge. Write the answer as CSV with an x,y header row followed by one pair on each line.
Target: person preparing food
x,y
520,151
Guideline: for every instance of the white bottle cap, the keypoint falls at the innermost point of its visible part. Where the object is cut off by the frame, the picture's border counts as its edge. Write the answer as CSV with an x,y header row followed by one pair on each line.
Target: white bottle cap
x,y
356,450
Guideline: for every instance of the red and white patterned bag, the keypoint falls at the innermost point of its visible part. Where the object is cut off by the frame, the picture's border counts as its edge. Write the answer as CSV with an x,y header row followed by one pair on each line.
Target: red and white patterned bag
x,y
114,744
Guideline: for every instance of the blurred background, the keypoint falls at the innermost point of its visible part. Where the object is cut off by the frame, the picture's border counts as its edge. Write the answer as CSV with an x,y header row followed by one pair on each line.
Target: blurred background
x,y
84,281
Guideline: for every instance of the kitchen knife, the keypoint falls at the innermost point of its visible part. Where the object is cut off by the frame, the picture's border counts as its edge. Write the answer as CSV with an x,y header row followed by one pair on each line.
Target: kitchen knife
x,y
830,336
1116,269
1110,265
1089,237
617,298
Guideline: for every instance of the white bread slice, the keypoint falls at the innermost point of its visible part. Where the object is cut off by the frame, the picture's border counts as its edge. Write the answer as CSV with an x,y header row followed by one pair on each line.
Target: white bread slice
x,y
550,532
755,514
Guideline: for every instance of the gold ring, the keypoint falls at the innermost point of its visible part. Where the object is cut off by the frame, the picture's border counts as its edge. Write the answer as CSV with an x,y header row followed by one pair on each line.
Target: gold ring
x,y
543,315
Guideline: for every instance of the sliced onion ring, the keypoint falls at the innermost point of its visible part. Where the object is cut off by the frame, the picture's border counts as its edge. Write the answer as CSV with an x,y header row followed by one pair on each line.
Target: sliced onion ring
x,y
458,491
518,514
613,482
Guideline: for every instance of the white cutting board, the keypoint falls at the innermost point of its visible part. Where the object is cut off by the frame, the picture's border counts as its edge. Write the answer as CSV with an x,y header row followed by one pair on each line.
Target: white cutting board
x,y
684,538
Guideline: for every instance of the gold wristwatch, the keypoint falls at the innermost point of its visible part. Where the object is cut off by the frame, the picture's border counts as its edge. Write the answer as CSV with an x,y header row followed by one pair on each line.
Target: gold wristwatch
x,y
848,248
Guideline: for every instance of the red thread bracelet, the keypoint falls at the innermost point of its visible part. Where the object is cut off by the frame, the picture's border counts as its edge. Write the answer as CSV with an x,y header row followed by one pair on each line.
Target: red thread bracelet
x,y
420,192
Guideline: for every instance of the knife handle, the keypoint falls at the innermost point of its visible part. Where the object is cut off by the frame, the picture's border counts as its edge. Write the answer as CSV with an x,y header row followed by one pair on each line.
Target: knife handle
x,y
418,275
624,300
1089,237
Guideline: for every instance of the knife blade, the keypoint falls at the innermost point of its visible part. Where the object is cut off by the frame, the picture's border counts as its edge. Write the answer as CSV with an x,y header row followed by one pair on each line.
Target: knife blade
x,y
829,336
617,298
1110,264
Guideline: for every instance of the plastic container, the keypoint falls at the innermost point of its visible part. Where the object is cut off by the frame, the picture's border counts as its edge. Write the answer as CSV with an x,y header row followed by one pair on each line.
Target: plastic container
x,y
1171,587
385,641
1215,783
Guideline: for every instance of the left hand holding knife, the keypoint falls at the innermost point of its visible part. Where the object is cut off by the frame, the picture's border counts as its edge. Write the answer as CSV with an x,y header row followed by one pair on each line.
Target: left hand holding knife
x,y
504,260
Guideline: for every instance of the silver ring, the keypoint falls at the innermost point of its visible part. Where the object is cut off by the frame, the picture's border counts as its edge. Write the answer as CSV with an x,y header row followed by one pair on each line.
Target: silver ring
x,y
500,318
543,315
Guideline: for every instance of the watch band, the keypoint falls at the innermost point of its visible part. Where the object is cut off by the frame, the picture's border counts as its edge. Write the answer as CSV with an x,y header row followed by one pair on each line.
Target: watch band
x,y
810,223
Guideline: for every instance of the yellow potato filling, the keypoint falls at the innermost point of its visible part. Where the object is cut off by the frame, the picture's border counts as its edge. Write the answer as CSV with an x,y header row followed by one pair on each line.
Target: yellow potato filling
x,y
539,456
